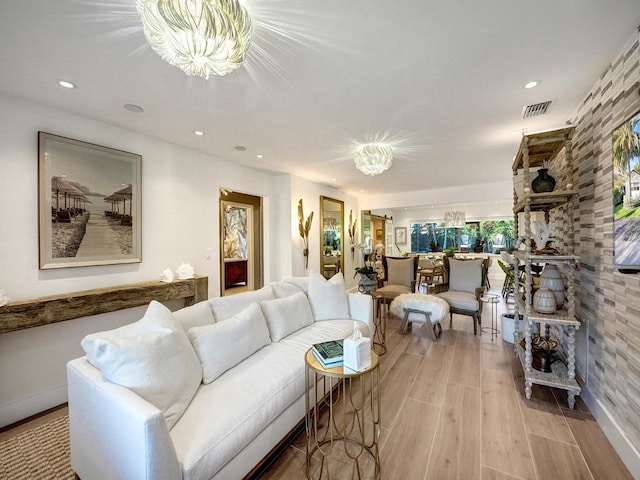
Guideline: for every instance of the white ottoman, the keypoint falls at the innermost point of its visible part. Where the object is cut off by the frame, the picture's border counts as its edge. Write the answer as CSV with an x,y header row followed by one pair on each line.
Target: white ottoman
x,y
417,307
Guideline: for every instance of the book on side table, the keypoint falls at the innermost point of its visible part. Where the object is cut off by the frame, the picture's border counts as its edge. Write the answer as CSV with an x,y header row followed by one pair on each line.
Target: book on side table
x,y
329,354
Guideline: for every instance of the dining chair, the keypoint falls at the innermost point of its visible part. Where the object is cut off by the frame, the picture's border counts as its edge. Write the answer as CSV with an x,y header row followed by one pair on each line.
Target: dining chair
x,y
466,284
399,275
428,272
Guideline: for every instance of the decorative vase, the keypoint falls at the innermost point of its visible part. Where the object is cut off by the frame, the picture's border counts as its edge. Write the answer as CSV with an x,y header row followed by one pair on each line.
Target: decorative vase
x,y
544,301
551,279
367,284
543,182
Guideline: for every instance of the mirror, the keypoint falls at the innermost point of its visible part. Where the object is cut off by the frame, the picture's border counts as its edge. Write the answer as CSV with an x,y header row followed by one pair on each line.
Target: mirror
x,y
331,236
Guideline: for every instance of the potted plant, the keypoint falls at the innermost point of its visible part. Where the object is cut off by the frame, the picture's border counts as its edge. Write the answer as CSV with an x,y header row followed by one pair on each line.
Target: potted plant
x,y
434,246
450,251
368,279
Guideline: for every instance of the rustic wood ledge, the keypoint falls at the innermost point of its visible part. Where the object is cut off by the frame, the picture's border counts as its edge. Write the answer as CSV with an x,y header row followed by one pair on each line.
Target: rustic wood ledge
x,y
24,314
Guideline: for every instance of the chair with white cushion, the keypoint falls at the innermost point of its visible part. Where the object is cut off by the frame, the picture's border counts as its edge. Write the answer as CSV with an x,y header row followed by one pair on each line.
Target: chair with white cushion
x,y
466,283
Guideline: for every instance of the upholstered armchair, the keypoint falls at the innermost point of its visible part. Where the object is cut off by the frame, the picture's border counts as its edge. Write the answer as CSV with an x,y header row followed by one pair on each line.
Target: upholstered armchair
x,y
466,284
399,275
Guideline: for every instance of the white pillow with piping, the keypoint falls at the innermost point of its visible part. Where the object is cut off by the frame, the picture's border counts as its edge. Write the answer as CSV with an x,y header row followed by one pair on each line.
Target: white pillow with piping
x,y
287,315
152,357
222,345
328,298
301,282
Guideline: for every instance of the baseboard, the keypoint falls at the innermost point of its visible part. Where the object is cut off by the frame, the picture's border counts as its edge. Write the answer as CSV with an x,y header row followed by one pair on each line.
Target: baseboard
x,y
33,404
619,440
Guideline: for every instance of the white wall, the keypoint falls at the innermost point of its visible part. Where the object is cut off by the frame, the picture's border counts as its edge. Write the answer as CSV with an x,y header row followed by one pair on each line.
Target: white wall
x,y
310,193
180,190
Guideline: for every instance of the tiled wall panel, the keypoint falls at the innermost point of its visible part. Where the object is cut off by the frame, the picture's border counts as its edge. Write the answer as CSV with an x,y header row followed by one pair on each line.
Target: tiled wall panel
x,y
608,301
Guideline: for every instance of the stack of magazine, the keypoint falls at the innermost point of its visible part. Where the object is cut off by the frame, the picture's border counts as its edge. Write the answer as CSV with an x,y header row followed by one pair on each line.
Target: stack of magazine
x,y
329,354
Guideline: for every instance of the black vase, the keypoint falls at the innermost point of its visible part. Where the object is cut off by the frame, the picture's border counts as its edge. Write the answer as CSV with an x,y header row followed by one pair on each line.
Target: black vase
x,y
543,182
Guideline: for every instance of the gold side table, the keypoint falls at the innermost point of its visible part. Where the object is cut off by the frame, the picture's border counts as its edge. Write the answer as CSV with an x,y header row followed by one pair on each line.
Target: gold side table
x,y
353,401
379,322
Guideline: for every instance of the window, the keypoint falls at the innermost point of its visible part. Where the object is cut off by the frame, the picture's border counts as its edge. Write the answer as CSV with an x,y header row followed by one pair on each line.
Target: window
x,y
489,236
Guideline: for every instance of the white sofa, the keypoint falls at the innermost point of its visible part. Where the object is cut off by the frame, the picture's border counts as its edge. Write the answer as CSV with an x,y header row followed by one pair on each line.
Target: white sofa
x,y
166,423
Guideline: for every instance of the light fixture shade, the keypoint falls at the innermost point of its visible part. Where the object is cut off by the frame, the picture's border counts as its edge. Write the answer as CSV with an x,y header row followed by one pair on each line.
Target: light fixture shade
x,y
454,219
201,37
373,158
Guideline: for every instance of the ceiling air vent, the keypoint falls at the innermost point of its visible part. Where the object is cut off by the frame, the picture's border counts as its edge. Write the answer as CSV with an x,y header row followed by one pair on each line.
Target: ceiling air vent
x,y
535,110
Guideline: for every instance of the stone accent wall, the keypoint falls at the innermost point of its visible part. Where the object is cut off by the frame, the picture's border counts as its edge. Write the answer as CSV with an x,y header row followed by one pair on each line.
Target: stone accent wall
x,y
608,344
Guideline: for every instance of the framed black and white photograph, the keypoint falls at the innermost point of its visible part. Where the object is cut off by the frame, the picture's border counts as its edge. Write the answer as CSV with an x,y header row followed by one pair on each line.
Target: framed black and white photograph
x,y
400,235
89,204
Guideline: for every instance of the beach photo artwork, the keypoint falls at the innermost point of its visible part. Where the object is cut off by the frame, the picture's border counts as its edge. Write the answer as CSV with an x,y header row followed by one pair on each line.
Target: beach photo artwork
x,y
89,204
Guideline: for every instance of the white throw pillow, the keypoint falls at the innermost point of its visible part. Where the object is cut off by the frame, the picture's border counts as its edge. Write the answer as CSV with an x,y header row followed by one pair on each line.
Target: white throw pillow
x,y
328,299
152,357
287,315
285,289
223,345
196,315
465,275
301,282
226,307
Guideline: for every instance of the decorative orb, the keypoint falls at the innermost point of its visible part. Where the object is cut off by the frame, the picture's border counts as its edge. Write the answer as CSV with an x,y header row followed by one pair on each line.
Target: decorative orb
x,y
544,301
551,279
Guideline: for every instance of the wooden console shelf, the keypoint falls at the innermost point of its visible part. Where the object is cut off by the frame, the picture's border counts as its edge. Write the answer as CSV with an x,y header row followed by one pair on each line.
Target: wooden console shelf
x,y
24,314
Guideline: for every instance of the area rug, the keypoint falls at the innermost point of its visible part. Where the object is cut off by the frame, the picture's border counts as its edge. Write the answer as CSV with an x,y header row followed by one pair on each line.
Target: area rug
x,y
38,454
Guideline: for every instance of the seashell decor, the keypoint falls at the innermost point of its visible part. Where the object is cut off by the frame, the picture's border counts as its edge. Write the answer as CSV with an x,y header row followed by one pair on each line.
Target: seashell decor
x,y
167,275
4,298
185,271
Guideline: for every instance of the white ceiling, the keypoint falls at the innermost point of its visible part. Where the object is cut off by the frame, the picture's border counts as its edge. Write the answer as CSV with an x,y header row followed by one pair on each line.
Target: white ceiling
x,y
442,81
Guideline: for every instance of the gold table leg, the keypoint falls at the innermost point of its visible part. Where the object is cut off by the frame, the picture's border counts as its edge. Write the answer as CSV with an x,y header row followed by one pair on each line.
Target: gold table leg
x,y
351,402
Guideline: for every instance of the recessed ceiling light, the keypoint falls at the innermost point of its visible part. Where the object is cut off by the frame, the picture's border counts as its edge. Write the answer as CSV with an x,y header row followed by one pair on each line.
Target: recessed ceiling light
x,y
66,84
198,133
362,189
240,148
259,156
133,108
531,84
334,180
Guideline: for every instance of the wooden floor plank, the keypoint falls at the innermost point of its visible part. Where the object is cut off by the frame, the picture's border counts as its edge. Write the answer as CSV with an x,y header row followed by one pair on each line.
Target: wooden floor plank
x,y
542,414
394,386
431,381
555,459
504,442
406,452
456,450
602,459
491,474
494,354
465,367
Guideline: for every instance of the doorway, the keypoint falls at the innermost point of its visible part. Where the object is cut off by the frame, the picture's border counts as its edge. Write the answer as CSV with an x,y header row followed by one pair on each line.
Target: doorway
x,y
240,242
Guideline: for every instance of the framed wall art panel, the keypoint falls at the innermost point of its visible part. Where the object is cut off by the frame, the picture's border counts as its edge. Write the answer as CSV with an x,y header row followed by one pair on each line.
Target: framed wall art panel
x,y
89,204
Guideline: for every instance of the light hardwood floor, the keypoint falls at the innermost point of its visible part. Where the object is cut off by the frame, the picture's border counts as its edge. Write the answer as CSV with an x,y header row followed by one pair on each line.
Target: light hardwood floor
x,y
456,409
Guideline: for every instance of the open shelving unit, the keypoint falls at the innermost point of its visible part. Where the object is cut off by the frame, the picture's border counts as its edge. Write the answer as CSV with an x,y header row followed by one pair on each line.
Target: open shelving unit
x,y
535,149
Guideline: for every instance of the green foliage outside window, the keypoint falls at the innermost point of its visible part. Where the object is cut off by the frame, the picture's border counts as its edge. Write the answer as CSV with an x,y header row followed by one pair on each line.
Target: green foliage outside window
x,y
435,237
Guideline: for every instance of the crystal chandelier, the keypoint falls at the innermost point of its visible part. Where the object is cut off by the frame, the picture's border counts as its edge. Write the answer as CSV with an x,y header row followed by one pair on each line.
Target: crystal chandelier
x,y
201,37
454,219
373,158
